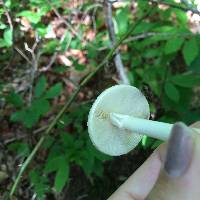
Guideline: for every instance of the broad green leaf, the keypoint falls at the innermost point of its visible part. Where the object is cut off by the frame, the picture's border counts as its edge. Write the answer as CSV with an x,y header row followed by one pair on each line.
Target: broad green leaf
x,y
122,20
173,45
14,99
87,162
172,92
33,17
40,183
60,69
52,164
40,106
182,17
50,47
31,117
62,174
2,43
79,67
67,140
8,37
21,148
54,91
48,142
190,51
147,142
156,144
2,26
41,29
40,86
17,116
186,80
195,65
8,3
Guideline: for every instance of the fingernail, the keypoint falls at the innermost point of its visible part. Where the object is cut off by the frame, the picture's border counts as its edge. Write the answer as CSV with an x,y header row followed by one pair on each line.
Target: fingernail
x,y
179,150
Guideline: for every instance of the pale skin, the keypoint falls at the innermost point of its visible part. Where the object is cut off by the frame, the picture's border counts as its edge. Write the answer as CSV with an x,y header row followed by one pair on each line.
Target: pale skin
x,y
151,182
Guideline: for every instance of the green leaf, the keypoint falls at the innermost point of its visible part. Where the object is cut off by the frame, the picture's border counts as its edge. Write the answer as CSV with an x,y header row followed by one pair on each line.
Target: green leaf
x,y
30,118
17,116
52,164
172,92
21,148
190,51
40,106
156,144
40,86
50,47
67,140
14,99
181,17
173,45
33,17
40,183
2,26
195,65
122,20
8,39
2,43
186,80
62,175
54,91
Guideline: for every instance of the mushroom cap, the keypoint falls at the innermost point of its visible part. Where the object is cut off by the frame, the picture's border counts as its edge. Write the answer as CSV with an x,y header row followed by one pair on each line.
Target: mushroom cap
x,y
122,99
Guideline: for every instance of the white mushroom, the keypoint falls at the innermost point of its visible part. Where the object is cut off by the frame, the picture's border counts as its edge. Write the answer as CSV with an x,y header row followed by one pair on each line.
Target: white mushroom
x,y
121,99
119,117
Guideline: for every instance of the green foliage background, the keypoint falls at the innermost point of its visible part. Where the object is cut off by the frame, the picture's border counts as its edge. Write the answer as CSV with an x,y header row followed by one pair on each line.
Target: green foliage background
x,y
163,60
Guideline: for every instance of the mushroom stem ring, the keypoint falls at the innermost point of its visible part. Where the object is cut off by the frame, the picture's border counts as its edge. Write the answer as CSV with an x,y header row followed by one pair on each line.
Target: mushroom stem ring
x,y
119,118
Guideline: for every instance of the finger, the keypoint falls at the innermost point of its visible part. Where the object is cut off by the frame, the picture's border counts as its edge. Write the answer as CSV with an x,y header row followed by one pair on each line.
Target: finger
x,y
139,185
180,176
141,182
196,125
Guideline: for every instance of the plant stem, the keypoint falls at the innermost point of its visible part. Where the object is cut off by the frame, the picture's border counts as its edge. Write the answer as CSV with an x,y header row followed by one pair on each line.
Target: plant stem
x,y
175,5
117,58
69,102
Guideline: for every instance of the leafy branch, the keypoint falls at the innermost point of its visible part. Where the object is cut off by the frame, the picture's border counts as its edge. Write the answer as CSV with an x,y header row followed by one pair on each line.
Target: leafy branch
x,y
69,102
185,8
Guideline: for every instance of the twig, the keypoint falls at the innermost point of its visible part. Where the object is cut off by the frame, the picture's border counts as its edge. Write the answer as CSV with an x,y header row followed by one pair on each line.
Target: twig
x,y
173,5
190,6
35,59
8,16
151,34
23,55
64,20
53,58
117,58
69,102
39,130
90,7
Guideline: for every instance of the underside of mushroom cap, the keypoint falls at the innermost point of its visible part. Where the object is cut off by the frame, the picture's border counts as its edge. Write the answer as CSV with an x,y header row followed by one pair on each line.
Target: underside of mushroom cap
x,y
122,99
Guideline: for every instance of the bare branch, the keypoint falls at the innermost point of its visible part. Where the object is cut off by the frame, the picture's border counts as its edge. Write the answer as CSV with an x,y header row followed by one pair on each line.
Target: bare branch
x,y
23,55
34,63
117,58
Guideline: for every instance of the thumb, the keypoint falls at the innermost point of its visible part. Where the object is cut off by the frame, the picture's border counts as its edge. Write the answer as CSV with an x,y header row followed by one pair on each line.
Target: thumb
x,y
180,175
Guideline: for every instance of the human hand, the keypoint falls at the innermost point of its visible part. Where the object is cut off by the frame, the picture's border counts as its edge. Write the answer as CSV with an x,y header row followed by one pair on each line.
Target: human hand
x,y
172,172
